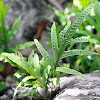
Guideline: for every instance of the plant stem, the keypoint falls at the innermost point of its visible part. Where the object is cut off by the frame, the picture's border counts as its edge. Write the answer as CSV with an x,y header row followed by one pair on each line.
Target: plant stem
x,y
4,32
5,73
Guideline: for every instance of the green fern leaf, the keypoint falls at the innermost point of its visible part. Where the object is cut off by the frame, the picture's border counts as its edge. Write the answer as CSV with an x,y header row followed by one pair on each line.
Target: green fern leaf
x,y
63,32
70,71
31,58
45,54
74,26
20,62
21,83
77,52
83,39
36,65
54,41
46,74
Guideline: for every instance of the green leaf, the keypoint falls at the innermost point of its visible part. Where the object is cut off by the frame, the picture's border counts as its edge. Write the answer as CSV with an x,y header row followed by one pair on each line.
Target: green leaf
x,y
89,34
22,46
78,22
21,95
45,54
17,74
83,39
1,11
21,62
2,86
70,71
1,42
1,67
77,52
1,30
36,65
63,32
6,9
46,74
33,91
21,83
58,77
14,28
74,26
54,40
31,58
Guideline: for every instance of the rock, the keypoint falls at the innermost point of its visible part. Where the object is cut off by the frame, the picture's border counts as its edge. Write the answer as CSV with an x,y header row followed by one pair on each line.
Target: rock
x,y
30,23
31,11
77,88
70,88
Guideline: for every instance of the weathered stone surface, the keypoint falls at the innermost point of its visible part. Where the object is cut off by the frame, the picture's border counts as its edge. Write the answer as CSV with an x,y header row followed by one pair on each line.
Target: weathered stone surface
x,y
31,10
77,88
71,88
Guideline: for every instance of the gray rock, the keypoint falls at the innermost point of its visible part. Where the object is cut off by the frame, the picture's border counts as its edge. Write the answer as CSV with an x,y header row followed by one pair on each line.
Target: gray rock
x,y
70,88
31,10
77,88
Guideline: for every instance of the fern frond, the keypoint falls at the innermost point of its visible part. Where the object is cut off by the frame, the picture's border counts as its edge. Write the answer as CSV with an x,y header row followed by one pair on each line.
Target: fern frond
x,y
76,52
43,52
74,26
82,39
70,71
63,32
54,40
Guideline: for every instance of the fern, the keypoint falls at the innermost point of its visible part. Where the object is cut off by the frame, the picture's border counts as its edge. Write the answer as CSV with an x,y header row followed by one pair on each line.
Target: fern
x,y
42,70
65,39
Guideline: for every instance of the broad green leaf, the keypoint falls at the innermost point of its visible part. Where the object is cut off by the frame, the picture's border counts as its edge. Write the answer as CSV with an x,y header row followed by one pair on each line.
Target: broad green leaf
x,y
22,46
19,55
46,74
54,40
21,62
70,71
6,59
43,63
31,58
36,65
83,39
43,52
77,52
21,83
14,28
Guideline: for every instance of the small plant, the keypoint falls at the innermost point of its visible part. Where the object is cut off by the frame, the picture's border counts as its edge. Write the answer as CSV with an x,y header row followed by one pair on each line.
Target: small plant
x,y
39,73
5,35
